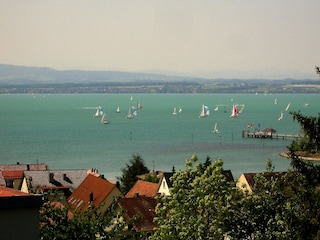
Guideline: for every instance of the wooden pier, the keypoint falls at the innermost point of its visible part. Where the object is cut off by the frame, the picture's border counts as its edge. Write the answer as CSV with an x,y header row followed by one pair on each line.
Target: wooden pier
x,y
269,135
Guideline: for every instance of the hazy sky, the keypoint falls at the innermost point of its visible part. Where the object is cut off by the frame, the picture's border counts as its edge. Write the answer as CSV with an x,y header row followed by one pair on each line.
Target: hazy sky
x,y
167,35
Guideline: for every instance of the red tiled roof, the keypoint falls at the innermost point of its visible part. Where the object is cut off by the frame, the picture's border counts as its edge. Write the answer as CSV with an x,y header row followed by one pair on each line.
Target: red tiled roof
x,y
143,207
250,177
98,186
12,174
10,192
143,188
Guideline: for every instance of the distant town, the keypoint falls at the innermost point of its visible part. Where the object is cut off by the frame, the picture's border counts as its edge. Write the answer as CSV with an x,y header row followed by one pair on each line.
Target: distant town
x,y
32,80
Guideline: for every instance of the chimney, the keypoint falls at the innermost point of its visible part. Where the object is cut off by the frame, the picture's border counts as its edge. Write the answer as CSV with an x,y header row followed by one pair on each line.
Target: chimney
x,y
64,177
91,197
51,179
136,194
118,184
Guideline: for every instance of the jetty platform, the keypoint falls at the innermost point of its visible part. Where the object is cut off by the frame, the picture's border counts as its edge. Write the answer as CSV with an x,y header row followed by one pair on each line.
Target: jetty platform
x,y
269,135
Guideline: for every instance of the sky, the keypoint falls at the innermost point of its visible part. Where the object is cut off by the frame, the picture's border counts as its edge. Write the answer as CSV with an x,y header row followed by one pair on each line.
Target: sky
x,y
212,38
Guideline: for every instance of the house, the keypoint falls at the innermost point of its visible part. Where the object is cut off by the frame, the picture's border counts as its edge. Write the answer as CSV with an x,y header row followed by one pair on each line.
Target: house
x,y
165,183
246,181
228,175
94,191
43,181
141,207
11,175
12,178
143,188
19,214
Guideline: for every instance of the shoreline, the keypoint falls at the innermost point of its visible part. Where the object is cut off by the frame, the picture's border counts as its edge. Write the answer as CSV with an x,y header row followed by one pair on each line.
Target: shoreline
x,y
285,154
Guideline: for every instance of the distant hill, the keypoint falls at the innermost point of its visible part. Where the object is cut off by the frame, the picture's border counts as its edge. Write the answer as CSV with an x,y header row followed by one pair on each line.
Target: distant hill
x,y
21,79
10,74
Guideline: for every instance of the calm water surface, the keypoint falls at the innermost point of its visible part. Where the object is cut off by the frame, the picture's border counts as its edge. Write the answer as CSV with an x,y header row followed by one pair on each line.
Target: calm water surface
x,y
60,130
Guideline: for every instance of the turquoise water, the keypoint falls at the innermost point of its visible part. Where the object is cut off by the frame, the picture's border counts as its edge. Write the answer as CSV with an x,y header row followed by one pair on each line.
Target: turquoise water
x,y
60,130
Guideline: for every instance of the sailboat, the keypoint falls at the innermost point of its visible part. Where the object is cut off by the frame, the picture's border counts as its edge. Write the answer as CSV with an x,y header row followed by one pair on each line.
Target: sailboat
x,y
275,101
174,111
118,110
139,105
234,111
217,108
287,108
99,112
281,116
215,128
180,110
205,112
132,112
104,119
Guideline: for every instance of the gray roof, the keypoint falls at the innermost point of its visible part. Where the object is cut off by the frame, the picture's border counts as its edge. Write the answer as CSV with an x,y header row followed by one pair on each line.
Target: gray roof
x,y
56,178
19,166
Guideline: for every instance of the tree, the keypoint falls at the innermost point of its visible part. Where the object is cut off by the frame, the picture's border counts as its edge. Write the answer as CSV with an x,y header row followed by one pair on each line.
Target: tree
x,y
60,222
198,204
310,142
204,205
131,171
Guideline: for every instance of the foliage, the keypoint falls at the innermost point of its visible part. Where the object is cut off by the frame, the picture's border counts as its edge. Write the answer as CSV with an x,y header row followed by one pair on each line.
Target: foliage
x,y
311,128
131,171
151,178
59,222
204,205
199,204
283,206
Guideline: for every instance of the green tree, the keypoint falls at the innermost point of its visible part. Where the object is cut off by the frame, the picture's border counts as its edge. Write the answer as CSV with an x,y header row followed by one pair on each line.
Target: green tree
x,y
131,171
199,203
59,222
310,142
282,206
204,205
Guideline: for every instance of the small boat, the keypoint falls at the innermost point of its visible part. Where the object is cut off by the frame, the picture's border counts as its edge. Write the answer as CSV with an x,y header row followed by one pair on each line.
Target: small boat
x,y
139,106
174,111
275,101
217,108
180,110
234,111
99,112
287,108
104,119
205,112
281,116
132,112
215,128
118,110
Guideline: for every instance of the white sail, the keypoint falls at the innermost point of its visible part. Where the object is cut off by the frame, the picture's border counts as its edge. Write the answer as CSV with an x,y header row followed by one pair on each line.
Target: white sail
x,y
275,101
104,119
99,112
234,111
215,128
174,111
242,107
205,112
118,110
132,112
180,110
287,108
217,108
281,116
